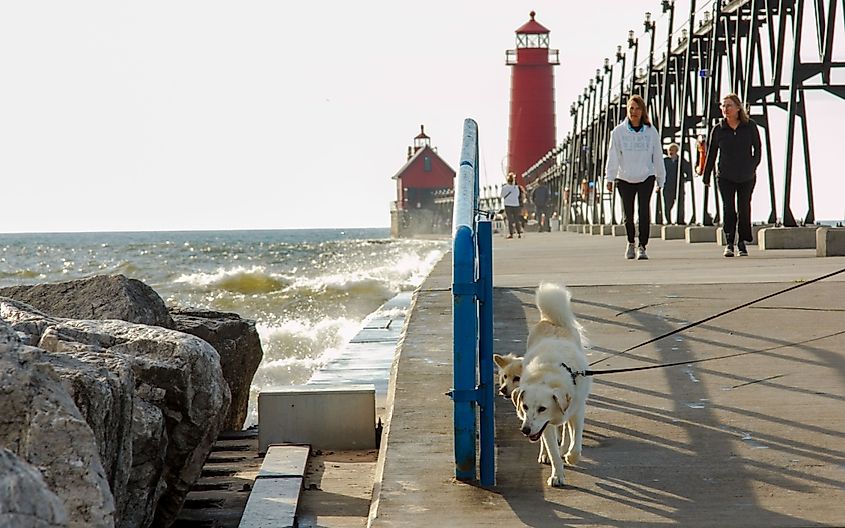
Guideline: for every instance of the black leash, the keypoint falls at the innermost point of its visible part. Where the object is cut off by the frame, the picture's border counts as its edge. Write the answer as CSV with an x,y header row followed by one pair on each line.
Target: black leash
x,y
725,312
576,373
587,372
735,308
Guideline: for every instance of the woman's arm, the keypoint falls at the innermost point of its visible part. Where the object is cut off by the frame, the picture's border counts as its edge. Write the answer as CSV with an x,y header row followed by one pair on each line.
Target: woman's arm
x,y
612,166
657,156
756,155
712,148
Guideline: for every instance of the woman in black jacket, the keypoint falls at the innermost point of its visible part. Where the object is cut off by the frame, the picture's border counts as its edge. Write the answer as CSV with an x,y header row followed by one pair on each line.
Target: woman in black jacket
x,y
737,141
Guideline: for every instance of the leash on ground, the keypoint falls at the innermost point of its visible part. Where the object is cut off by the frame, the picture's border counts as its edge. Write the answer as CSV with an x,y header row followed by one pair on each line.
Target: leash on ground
x,y
699,322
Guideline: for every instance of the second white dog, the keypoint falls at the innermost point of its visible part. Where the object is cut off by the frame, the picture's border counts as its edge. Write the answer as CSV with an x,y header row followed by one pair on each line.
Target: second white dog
x,y
551,391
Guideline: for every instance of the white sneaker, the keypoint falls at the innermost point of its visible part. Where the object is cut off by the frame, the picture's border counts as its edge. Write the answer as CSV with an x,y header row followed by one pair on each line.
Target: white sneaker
x,y
641,254
629,253
729,251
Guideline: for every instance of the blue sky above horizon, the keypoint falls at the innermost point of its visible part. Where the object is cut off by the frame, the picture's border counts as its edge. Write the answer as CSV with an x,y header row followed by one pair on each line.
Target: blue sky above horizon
x,y
156,115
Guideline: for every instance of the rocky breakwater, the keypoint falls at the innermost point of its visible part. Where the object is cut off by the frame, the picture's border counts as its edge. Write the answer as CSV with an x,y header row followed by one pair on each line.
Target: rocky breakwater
x,y
116,417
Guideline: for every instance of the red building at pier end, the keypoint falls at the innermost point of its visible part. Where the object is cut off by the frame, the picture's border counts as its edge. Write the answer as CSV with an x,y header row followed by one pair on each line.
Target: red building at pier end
x,y
424,190
531,133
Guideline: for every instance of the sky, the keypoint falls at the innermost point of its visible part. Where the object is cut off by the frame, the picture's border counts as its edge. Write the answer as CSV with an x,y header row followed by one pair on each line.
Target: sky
x,y
182,115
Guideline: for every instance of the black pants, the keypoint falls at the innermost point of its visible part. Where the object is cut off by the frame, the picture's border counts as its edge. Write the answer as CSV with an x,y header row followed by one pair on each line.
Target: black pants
x,y
539,211
514,215
669,201
736,208
642,192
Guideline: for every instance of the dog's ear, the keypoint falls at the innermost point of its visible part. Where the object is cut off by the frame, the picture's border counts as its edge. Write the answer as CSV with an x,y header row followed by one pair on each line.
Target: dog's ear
x,y
501,361
516,397
562,400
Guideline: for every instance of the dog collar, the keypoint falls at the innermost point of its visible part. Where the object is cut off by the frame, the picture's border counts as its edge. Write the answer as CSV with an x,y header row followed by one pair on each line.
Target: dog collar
x,y
573,373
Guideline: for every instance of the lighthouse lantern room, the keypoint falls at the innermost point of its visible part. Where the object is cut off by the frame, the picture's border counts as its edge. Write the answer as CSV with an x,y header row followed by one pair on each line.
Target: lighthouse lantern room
x,y
531,133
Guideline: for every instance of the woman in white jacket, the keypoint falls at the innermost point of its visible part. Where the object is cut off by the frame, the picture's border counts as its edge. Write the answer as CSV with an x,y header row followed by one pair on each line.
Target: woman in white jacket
x,y
634,164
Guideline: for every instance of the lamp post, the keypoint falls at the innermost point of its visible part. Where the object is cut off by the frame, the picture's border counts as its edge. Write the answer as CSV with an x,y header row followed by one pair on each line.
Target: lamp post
x,y
649,26
621,57
608,126
633,42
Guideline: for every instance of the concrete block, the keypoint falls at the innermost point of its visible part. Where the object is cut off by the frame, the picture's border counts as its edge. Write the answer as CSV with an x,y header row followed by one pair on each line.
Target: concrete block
x,y
272,503
595,229
585,229
325,416
696,234
655,231
830,242
618,230
606,229
573,228
284,462
722,240
673,232
787,238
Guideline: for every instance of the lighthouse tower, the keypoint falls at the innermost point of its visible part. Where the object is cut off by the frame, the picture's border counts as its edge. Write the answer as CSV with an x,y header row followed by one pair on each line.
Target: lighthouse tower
x,y
532,114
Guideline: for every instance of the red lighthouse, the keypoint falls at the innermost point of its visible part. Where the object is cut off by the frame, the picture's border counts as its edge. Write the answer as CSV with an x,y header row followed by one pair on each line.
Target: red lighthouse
x,y
531,133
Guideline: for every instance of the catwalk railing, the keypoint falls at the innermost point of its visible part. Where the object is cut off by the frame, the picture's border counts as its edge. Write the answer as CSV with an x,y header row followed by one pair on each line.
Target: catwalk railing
x,y
772,53
472,320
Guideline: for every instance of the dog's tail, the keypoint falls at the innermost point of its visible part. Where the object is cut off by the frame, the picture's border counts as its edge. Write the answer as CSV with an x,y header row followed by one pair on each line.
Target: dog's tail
x,y
555,305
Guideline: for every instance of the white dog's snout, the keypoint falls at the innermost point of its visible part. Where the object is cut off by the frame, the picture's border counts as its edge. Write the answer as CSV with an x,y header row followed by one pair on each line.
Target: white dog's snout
x,y
526,430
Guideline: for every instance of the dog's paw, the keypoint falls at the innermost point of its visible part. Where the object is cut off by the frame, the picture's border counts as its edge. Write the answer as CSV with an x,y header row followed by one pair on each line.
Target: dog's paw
x,y
555,482
543,458
572,458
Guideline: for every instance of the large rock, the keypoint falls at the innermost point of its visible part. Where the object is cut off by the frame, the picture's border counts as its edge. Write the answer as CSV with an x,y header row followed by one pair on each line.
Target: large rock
x,y
149,446
183,378
102,385
178,403
239,346
40,423
25,499
117,297
98,297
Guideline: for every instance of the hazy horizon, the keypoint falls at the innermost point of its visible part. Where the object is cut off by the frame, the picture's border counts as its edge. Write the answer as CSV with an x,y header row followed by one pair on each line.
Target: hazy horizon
x,y
173,116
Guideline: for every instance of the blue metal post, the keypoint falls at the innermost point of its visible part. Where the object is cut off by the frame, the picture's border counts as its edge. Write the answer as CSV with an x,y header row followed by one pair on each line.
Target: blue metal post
x,y
485,352
464,332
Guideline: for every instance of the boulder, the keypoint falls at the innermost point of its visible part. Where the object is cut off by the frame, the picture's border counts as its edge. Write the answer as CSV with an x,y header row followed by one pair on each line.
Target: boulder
x,y
42,425
239,346
25,499
178,402
181,375
102,385
98,297
118,297
146,482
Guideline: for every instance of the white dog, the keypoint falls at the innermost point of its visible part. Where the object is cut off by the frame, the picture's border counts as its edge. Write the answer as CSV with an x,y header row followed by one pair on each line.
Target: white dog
x,y
510,373
552,390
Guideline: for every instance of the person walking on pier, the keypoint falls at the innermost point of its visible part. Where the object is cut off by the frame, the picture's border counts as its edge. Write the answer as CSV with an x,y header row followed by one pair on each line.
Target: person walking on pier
x,y
542,199
737,141
671,189
634,164
513,207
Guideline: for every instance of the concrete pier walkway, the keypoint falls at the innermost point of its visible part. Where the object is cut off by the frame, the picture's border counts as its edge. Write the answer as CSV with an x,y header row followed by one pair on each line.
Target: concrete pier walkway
x,y
751,441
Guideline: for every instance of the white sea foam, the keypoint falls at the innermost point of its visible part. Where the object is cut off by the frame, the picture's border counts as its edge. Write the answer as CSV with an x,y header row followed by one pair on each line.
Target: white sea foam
x,y
294,350
238,279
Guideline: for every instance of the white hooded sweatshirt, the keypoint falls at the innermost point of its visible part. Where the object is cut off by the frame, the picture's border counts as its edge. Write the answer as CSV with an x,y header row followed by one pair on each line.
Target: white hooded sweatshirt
x,y
634,156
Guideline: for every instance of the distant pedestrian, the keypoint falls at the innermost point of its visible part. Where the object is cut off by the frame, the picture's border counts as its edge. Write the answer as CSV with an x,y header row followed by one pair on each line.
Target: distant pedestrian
x,y
635,164
671,190
542,199
737,142
510,197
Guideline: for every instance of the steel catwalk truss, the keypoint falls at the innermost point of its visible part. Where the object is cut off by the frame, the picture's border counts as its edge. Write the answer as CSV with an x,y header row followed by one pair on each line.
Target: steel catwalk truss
x,y
749,47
